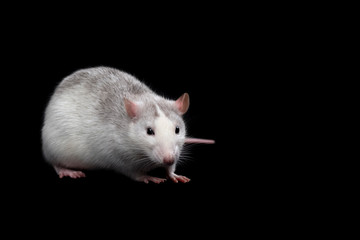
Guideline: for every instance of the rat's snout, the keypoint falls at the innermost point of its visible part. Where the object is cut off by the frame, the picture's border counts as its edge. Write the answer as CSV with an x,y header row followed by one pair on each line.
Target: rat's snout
x,y
169,160
166,155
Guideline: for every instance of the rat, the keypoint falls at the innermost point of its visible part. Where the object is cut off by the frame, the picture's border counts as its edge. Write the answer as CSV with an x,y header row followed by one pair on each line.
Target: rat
x,y
104,118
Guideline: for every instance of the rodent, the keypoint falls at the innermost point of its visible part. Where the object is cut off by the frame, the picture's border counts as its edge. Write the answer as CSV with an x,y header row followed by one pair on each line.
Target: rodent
x,y
104,118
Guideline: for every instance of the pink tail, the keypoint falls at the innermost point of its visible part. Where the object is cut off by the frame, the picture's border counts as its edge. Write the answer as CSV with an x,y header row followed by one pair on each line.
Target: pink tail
x,y
199,140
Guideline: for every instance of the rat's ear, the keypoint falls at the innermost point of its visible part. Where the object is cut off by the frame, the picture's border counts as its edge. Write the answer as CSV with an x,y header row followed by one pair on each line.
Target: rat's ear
x,y
131,108
182,103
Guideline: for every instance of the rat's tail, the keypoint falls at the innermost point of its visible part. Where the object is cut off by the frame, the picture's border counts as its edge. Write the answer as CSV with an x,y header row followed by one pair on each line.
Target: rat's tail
x,y
199,140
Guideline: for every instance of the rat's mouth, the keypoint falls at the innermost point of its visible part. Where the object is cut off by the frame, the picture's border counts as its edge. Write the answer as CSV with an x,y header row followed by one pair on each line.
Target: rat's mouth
x,y
168,161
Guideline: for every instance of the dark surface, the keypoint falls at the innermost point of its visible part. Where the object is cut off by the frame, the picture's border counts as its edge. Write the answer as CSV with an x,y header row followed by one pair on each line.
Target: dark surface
x,y
240,96
225,106
169,73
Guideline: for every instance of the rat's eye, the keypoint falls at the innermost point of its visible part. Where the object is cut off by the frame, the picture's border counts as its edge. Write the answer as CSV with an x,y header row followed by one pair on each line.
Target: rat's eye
x,y
177,130
149,131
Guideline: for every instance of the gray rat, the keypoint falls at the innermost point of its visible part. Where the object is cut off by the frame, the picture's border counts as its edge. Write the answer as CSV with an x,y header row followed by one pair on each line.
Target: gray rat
x,y
105,118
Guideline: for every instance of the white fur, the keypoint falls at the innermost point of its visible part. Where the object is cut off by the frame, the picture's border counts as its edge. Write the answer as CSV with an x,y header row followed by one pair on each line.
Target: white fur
x,y
165,137
65,133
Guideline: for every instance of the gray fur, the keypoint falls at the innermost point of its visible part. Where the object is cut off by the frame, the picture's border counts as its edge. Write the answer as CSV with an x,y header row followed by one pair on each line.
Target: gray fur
x,y
86,125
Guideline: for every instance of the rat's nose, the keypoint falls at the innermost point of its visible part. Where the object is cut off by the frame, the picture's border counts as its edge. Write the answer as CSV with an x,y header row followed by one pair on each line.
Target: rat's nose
x,y
169,160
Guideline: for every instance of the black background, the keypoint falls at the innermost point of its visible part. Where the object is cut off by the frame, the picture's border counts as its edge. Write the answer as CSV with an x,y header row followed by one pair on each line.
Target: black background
x,y
236,70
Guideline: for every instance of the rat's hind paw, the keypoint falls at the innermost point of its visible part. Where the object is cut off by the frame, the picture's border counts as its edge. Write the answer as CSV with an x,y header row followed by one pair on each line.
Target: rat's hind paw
x,y
64,172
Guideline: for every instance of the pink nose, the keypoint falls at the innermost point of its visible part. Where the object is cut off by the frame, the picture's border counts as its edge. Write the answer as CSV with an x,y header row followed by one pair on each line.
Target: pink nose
x,y
169,160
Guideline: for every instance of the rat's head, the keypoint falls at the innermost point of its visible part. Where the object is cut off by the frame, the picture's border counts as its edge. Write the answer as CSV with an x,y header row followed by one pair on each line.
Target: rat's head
x,y
157,127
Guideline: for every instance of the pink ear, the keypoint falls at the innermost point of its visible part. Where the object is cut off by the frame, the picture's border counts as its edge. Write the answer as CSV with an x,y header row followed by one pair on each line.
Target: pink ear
x,y
131,108
182,103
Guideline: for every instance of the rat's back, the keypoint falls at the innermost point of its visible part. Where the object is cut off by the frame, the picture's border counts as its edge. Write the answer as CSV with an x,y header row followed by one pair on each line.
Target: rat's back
x,y
81,113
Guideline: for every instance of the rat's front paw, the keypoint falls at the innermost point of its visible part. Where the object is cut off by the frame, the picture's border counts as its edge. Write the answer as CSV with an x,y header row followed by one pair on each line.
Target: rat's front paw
x,y
146,179
176,178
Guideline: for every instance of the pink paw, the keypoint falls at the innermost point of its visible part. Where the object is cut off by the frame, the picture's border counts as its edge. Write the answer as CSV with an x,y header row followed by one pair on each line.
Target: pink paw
x,y
147,179
64,172
176,178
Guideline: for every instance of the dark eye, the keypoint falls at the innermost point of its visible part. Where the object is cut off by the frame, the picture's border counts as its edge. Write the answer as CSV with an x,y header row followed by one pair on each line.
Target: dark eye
x,y
149,131
177,130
